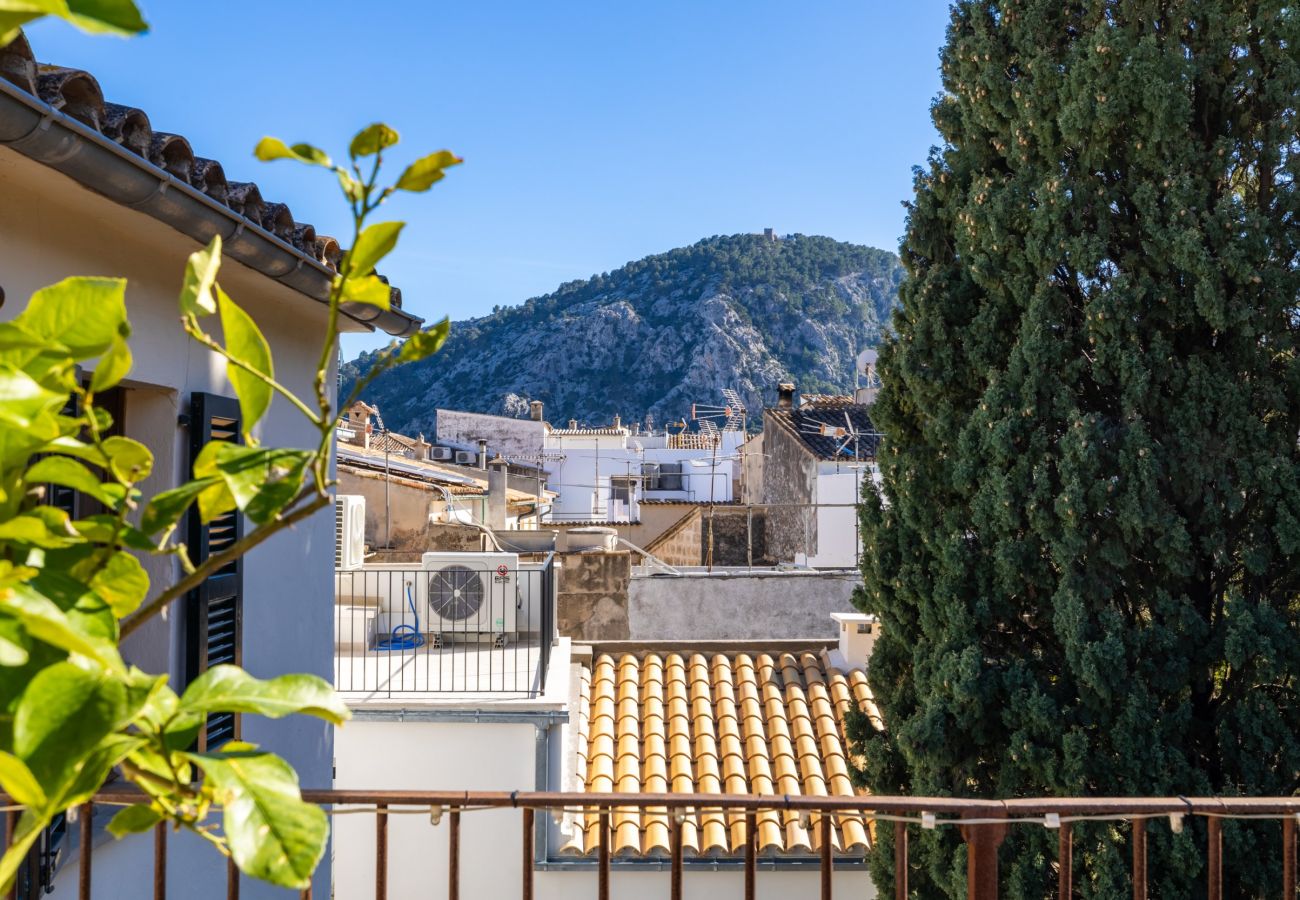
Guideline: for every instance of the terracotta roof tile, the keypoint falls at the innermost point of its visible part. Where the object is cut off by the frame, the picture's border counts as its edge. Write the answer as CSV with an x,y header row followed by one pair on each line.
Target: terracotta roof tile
x,y
719,724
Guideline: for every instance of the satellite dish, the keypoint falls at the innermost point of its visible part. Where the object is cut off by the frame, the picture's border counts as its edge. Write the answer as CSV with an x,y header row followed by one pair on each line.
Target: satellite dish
x,y
867,358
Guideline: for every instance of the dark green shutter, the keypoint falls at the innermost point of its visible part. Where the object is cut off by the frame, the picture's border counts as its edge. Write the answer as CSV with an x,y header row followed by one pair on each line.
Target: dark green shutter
x,y
215,610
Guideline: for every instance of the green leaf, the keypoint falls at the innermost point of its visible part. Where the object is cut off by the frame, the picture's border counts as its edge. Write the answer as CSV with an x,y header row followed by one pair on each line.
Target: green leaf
x,y
371,139
69,473
45,622
40,527
200,276
166,508
269,148
352,189
135,819
106,16
427,171
228,688
424,344
11,24
19,782
86,315
113,367
373,244
70,446
129,459
13,643
367,289
61,717
260,481
273,834
122,583
30,825
23,401
244,341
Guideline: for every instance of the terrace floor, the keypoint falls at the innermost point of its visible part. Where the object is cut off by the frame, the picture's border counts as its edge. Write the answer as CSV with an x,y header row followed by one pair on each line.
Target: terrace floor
x,y
456,671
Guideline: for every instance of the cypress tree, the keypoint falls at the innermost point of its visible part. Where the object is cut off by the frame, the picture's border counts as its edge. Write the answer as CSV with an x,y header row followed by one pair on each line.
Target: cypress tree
x,y
1086,549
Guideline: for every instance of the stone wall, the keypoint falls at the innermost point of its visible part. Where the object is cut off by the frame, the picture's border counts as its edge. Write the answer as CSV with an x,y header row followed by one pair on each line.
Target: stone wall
x,y
789,477
732,534
680,544
591,602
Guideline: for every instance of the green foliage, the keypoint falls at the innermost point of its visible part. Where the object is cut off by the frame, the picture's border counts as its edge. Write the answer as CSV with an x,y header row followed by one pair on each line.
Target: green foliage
x,y
94,16
71,710
1086,567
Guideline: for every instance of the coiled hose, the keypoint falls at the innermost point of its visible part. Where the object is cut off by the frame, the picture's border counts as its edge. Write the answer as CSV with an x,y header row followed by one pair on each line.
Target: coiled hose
x,y
404,637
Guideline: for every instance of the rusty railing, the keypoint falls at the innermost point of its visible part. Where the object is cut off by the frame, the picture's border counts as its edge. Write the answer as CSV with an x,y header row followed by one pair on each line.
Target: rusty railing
x,y
983,825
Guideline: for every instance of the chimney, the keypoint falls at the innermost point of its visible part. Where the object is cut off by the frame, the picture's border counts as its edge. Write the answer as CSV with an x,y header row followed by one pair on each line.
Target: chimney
x,y
421,448
482,453
785,395
573,424
497,501
535,410
618,421
858,633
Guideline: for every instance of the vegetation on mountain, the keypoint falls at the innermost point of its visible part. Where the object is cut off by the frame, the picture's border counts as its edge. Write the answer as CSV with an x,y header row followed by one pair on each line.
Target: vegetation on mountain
x,y
741,311
1086,551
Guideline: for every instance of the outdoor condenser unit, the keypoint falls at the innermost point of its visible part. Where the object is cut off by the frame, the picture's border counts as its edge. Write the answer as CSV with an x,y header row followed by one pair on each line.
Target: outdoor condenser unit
x,y
349,531
471,594
466,457
443,454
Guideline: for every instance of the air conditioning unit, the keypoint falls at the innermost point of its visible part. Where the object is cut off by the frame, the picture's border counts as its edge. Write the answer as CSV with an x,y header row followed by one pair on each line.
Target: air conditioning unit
x,y
441,453
349,531
466,457
470,595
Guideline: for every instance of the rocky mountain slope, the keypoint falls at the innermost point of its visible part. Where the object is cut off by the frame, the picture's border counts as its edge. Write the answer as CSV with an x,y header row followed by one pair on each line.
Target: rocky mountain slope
x,y
653,337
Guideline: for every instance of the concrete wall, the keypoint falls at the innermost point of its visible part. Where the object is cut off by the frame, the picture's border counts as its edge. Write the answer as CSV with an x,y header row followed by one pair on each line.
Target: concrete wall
x,y
592,600
65,229
508,437
499,757
753,606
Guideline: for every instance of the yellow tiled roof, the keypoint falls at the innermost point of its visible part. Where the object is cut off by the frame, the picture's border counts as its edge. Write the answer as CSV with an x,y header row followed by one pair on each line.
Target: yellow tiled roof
x,y
720,724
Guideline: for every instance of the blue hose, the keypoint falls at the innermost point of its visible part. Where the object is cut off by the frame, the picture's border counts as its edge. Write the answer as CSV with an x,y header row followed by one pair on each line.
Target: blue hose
x,y
404,637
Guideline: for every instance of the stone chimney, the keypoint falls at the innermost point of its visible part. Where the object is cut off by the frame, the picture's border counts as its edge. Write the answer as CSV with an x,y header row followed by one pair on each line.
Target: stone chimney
x,y
858,633
421,448
535,410
497,500
785,395
359,422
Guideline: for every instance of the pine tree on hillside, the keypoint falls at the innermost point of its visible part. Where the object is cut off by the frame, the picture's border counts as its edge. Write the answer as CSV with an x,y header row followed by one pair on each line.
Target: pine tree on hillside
x,y
1088,562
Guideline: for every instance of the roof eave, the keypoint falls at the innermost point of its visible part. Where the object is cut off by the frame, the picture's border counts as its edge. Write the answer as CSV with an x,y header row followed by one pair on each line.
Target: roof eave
x,y
35,129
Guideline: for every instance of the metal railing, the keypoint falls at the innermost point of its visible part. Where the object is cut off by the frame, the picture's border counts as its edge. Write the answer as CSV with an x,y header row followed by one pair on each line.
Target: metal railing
x,y
401,629
983,825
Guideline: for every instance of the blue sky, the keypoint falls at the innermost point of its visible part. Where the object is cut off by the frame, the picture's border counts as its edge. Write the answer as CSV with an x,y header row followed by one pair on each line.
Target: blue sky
x,y
594,133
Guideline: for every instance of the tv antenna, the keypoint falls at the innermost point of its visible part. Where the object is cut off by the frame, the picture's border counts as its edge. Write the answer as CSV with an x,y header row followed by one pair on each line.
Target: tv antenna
x,y
730,417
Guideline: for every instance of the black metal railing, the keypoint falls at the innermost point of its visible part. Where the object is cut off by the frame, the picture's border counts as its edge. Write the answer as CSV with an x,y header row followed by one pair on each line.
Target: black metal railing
x,y
464,624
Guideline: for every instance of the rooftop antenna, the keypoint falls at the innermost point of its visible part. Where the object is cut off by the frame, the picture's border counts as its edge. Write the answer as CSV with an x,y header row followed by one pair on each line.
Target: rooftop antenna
x,y
846,434
730,417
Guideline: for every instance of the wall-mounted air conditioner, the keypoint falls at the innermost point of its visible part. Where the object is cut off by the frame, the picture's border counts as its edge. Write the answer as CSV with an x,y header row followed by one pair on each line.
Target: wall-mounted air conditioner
x,y
474,595
466,458
349,531
441,453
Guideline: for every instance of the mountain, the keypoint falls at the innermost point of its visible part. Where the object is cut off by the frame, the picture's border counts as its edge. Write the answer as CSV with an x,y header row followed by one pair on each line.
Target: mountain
x,y
653,337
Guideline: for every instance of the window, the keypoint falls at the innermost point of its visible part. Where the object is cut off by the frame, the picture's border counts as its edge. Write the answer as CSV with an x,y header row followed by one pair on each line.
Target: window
x,y
621,489
664,476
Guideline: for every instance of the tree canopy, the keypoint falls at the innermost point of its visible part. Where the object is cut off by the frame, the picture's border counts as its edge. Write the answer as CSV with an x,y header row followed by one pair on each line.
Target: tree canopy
x,y
1086,550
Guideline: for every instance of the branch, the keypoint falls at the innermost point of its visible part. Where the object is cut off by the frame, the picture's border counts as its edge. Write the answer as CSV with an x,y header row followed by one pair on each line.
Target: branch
x,y
229,555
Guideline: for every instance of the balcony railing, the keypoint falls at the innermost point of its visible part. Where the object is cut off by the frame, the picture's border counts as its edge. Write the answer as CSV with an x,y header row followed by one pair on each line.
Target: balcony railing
x,y
983,825
402,631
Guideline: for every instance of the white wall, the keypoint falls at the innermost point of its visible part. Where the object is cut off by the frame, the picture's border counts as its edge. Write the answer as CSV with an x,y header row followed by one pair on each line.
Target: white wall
x,y
837,526
509,437
494,757
65,229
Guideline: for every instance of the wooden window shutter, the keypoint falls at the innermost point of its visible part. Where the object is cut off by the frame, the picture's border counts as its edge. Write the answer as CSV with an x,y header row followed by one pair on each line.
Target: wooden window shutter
x,y
214,611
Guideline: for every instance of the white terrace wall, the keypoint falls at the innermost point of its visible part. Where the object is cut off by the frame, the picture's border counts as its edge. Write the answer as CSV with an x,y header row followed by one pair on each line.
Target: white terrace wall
x,y
411,755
